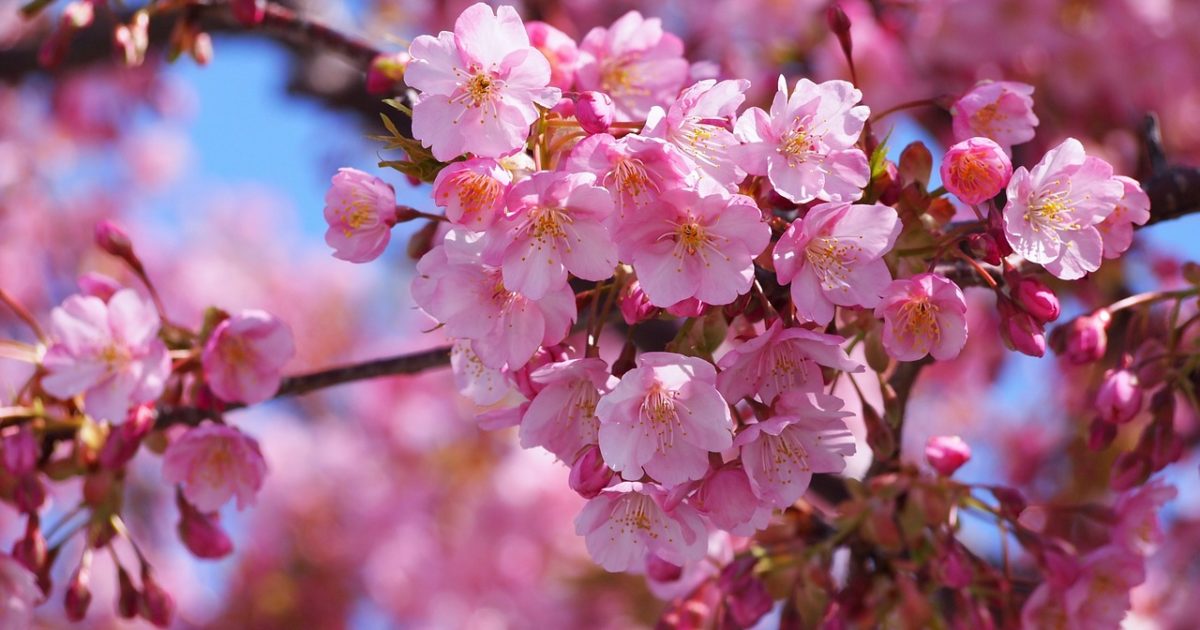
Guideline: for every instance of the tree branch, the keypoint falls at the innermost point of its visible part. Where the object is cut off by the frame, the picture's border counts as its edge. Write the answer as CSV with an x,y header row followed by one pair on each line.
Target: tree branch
x,y
305,383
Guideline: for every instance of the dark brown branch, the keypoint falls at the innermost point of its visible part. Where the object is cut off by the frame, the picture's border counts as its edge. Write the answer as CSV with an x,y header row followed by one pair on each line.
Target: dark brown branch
x,y
305,383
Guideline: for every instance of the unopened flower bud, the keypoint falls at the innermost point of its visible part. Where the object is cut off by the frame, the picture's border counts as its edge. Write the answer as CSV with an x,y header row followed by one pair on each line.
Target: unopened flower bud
x,y
746,598
123,442
30,550
158,607
635,306
114,240
249,12
590,474
202,533
128,598
1020,331
839,23
1036,298
947,453
1087,338
201,49
660,570
976,170
1101,434
1120,396
386,73
79,595
20,451
594,111
1130,469
983,247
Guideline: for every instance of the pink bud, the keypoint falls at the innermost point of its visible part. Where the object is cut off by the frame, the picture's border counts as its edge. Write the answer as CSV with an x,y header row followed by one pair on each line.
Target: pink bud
x,y
98,285
122,444
128,597
30,550
202,533
79,596
660,570
1020,331
1036,298
594,111
20,451
976,170
386,72
983,247
1130,469
157,604
746,598
113,240
201,49
947,453
1087,338
953,569
635,306
1101,434
590,474
691,307
1120,396
249,12
30,493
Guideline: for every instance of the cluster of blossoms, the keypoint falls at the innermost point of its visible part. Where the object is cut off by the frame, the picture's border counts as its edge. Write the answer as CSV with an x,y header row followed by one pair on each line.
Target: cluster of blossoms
x,y
584,180
110,368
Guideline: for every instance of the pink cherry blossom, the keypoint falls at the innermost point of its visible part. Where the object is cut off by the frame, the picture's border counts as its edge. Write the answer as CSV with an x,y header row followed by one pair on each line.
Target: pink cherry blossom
x,y
694,244
947,453
834,256
244,358
472,192
109,352
214,463
595,112
779,360
663,418
634,62
700,123
628,522
1119,398
1053,210
726,498
999,110
1138,526
19,594
924,314
482,384
555,224
635,169
479,85
806,145
1117,228
976,170
1099,597
562,417
560,51
807,435
456,287
360,210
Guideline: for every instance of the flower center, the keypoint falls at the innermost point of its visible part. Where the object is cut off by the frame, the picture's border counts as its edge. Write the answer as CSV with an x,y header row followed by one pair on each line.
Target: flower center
x,y
629,177
987,116
479,89
476,193
636,513
782,454
918,319
660,417
797,145
831,259
1051,211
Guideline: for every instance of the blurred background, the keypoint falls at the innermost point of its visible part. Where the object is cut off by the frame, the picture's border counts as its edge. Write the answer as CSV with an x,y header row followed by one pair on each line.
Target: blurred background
x,y
385,505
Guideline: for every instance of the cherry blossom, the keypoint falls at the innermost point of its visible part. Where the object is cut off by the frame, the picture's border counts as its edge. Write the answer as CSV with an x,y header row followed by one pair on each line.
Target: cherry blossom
x,y
833,256
694,244
245,356
1053,210
473,191
635,169
361,210
700,123
214,463
999,110
663,418
480,85
923,315
628,522
109,352
976,170
562,417
780,360
634,62
806,144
